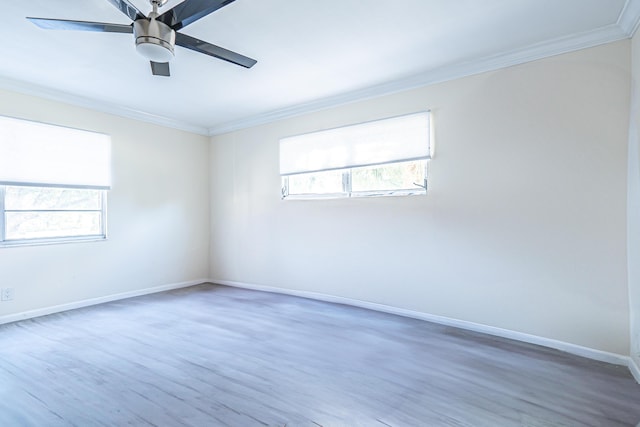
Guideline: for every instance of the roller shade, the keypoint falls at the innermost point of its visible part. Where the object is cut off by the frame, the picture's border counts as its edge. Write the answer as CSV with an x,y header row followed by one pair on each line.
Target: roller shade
x,y
38,154
378,142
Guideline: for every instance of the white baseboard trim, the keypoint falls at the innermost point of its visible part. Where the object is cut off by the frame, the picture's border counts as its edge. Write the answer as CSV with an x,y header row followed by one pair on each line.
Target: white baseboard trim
x,y
635,369
93,301
578,350
575,349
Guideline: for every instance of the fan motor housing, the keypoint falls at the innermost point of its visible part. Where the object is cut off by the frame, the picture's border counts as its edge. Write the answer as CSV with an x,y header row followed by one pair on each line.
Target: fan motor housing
x,y
154,39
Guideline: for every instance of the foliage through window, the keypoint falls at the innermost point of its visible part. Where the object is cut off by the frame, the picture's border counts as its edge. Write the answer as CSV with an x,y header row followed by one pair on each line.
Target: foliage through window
x,y
403,178
383,157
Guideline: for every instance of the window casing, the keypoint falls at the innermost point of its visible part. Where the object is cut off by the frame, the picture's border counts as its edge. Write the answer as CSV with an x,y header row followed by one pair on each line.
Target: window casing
x,y
53,183
385,157
36,215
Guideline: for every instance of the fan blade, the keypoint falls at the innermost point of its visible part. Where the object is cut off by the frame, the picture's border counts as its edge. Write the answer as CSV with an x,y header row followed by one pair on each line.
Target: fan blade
x,y
213,50
63,24
127,8
160,68
190,11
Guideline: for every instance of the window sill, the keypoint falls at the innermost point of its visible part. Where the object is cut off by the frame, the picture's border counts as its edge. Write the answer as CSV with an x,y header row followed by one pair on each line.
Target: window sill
x,y
52,241
356,195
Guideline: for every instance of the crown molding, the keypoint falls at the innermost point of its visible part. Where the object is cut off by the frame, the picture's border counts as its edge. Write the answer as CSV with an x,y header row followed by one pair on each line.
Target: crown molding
x,y
625,27
95,105
608,34
630,17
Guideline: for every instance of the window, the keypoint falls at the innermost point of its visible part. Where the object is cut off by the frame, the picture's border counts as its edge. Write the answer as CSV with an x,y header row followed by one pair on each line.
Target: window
x,y
46,213
53,183
383,157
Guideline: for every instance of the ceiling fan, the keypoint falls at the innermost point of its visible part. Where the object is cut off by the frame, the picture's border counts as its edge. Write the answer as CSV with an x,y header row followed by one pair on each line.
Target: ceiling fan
x,y
156,35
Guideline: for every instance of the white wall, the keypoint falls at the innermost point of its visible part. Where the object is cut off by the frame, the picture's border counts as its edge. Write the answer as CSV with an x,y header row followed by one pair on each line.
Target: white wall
x,y
523,227
158,215
633,205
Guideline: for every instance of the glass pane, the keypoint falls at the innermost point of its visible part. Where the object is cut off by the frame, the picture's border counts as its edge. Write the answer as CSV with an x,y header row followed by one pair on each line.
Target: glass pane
x,y
34,225
394,176
44,198
329,182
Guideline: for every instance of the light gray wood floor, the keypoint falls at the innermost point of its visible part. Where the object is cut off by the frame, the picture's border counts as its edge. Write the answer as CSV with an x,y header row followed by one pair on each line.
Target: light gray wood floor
x,y
217,356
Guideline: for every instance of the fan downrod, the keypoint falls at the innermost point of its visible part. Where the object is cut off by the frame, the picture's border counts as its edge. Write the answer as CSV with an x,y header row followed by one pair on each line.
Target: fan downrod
x,y
158,3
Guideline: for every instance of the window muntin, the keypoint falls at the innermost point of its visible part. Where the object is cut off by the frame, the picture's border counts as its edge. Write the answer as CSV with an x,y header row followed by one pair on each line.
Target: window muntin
x,y
45,214
378,158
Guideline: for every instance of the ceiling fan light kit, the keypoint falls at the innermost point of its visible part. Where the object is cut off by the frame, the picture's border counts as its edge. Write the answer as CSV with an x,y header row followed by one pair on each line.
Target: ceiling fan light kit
x,y
154,40
155,35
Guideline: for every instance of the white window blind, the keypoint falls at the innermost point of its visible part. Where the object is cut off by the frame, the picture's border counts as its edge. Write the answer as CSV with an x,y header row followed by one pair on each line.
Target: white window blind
x,y
38,154
382,141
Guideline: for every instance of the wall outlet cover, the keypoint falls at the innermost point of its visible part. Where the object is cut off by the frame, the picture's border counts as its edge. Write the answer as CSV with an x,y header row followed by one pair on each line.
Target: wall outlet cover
x,y
6,294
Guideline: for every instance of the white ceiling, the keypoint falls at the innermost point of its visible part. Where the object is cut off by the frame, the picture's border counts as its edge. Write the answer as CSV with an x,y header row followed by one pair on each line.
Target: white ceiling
x,y
311,54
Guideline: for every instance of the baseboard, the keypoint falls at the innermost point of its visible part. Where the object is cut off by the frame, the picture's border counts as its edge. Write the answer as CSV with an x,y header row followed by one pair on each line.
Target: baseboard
x,y
99,300
578,350
587,352
635,369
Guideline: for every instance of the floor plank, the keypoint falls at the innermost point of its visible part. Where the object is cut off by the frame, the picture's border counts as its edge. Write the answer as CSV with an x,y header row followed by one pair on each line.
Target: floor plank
x,y
217,356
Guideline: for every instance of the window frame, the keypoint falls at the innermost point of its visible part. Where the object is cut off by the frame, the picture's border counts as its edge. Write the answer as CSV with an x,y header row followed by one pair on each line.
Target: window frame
x,y
348,192
4,242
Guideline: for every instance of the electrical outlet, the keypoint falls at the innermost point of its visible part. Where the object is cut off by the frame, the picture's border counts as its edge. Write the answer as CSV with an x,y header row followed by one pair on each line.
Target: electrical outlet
x,y
6,294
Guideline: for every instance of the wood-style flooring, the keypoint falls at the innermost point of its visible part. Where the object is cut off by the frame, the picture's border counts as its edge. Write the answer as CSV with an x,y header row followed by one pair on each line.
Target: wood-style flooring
x,y
218,356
